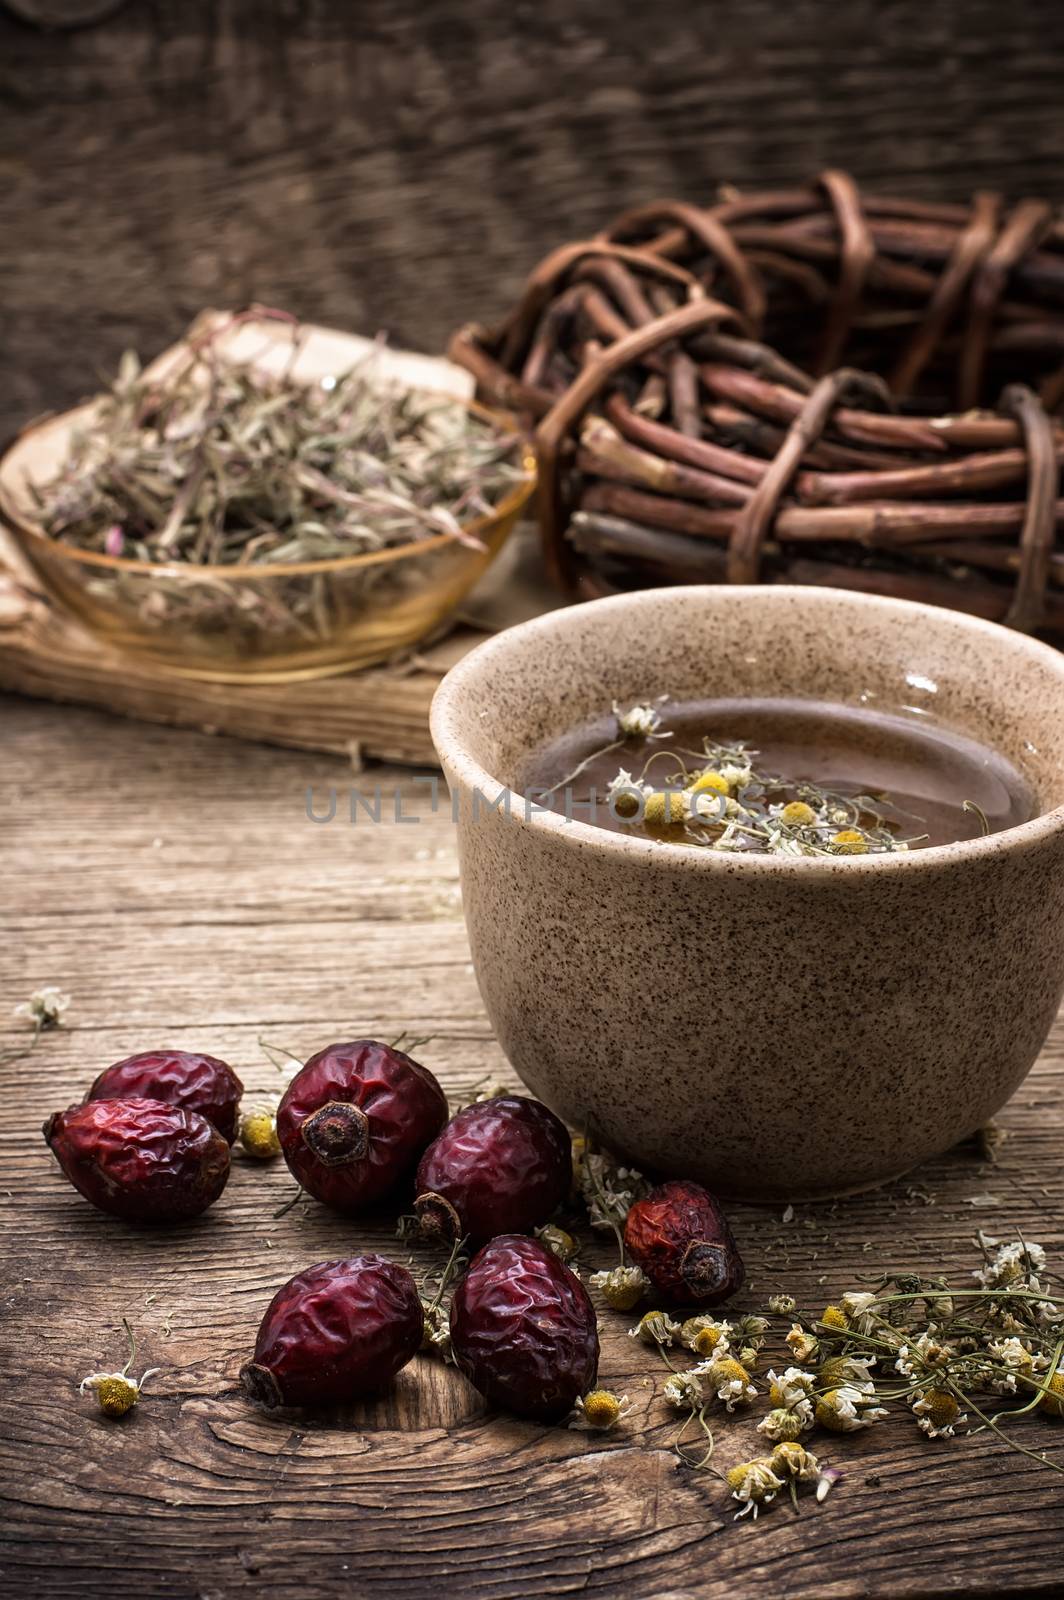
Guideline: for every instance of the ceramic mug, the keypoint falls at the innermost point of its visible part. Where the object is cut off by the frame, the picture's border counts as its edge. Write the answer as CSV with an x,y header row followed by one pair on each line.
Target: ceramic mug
x,y
776,1027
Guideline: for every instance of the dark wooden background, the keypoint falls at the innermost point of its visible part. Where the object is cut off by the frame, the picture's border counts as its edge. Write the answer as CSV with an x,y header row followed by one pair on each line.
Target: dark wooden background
x,y
396,164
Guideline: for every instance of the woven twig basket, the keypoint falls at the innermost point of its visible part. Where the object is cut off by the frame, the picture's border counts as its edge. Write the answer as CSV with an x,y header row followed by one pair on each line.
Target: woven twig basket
x,y
809,386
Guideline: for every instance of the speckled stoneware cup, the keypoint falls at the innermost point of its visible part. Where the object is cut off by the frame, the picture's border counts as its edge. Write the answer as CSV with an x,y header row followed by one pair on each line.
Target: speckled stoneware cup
x,y
775,1027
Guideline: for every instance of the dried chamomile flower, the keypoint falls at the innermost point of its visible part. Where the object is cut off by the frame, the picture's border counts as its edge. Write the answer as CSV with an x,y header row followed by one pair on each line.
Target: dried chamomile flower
x,y
729,1381
846,1409
796,814
923,1352
780,1424
638,722
609,1191
747,1356
781,1305
751,1329
561,1243
710,782
802,1345
706,1336
1052,1401
790,1387
938,1413
857,1306
44,1009
684,1391
851,1371
753,1484
599,1411
622,1288
1012,1264
116,1392
437,1332
849,842
257,1130
790,1460
834,1317
664,809
625,795
655,1328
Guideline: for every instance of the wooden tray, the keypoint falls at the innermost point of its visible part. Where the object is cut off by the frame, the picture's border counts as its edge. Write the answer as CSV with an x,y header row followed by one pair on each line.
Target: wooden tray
x,y
380,714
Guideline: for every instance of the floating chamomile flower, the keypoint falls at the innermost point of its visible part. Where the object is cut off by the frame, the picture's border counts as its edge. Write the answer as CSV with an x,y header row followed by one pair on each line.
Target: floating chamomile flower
x,y
625,795
638,722
116,1392
622,1288
710,782
849,842
753,1484
599,1411
796,814
664,809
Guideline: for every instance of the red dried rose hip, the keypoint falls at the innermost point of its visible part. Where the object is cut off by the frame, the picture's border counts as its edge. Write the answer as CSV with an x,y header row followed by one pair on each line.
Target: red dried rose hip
x,y
500,1166
354,1121
178,1078
338,1330
140,1159
681,1239
523,1329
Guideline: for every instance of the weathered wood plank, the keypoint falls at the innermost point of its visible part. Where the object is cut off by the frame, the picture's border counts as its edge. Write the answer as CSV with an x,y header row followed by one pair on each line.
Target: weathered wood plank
x,y
402,166
245,919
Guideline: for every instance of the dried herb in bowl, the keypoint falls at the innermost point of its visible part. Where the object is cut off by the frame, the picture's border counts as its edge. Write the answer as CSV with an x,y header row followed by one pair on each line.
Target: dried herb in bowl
x,y
239,512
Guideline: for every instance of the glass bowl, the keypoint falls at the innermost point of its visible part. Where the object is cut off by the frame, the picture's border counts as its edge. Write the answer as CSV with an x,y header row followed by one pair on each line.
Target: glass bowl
x,y
270,623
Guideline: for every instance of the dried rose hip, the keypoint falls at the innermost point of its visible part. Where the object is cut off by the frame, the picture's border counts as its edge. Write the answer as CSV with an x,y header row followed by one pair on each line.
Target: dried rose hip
x,y
681,1239
523,1329
500,1166
179,1078
140,1159
335,1331
353,1123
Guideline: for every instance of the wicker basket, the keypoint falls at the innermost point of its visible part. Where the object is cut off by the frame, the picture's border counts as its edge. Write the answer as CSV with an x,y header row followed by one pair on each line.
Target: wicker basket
x,y
809,386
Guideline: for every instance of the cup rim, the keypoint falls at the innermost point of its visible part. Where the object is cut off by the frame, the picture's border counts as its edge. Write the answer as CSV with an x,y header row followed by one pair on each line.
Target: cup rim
x,y
453,755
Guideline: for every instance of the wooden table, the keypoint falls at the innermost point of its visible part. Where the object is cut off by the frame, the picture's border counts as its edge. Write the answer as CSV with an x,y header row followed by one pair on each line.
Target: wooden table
x,y
172,884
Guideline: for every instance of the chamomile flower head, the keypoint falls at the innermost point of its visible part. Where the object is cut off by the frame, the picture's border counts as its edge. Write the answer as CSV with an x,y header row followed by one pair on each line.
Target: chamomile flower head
x,y
802,1345
849,842
257,1130
858,1306
622,1288
790,1460
729,1381
797,814
625,795
780,1424
781,1305
638,722
852,1371
834,1317
736,774
1052,1401
599,1411
684,1391
753,1484
937,1412
922,1353
706,1336
710,782
791,1386
44,1008
116,1392
560,1243
1012,1264
846,1409
664,809
655,1328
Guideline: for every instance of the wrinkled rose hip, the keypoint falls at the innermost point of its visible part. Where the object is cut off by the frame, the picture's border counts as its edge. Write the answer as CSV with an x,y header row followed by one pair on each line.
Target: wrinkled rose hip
x,y
140,1159
523,1329
178,1078
500,1166
354,1121
681,1239
338,1330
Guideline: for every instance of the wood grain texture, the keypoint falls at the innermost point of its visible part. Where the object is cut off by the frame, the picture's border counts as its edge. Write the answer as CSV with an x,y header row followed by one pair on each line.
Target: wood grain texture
x,y
174,886
403,166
